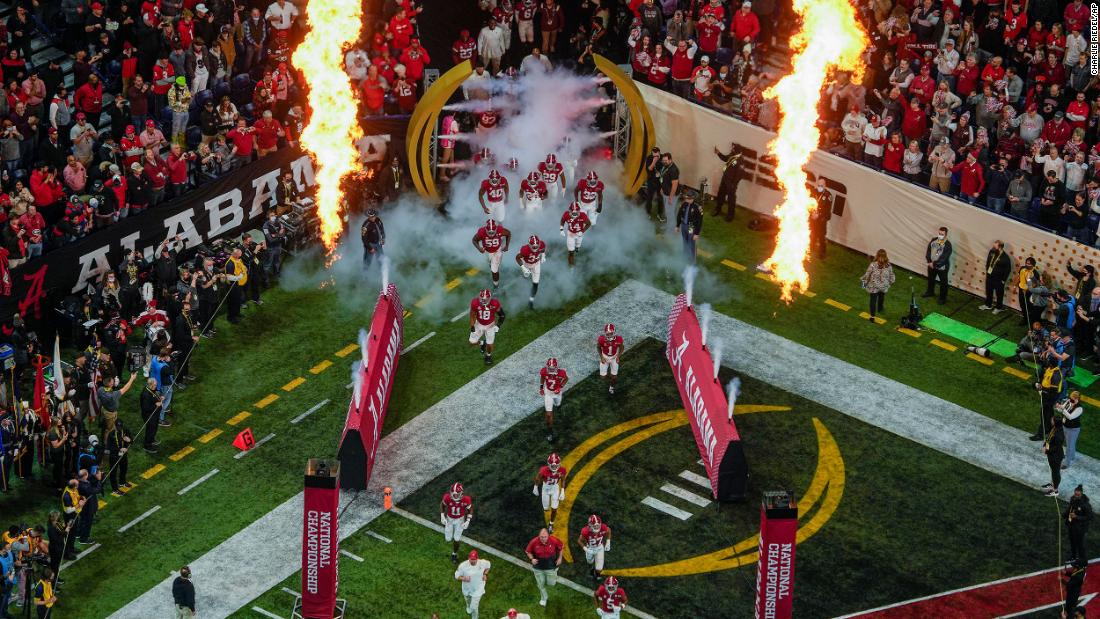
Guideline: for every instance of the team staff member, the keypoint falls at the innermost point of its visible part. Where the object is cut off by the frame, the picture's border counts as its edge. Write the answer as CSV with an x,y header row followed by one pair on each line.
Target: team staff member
x,y
732,173
373,234
183,594
544,552
151,402
1078,514
670,184
1053,447
1073,578
819,218
689,223
473,573
938,257
44,599
1023,284
998,267
118,445
237,274
1050,390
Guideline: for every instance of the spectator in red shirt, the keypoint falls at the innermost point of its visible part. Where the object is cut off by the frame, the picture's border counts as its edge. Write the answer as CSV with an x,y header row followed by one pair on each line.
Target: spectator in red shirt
x,y
966,76
267,131
374,91
45,187
891,158
972,179
35,224
1057,132
745,26
400,30
176,165
923,86
156,172
243,139
709,34
915,122
1076,16
164,76
405,93
1078,111
89,97
415,58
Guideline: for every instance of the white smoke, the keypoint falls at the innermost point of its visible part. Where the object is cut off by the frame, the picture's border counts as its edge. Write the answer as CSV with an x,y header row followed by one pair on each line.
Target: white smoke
x,y
704,320
425,249
364,341
689,274
733,391
385,262
716,356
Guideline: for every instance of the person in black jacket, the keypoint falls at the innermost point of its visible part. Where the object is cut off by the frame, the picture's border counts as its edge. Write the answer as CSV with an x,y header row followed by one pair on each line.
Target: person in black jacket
x,y
1073,579
1086,281
118,446
373,234
1054,448
185,334
998,266
732,173
165,267
138,189
938,257
151,400
996,185
1078,515
689,223
208,122
819,218
183,593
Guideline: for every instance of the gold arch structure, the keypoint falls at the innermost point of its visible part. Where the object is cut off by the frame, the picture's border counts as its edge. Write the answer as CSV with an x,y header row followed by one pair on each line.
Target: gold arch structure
x,y
425,116
825,491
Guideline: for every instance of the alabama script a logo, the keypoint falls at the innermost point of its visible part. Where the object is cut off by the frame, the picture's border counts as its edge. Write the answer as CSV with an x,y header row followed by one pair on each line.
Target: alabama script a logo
x,y
36,292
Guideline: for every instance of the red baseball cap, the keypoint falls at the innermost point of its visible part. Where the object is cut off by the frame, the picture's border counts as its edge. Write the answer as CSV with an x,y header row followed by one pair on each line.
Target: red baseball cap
x,y
97,6
130,128
512,613
80,115
52,131
473,555
150,123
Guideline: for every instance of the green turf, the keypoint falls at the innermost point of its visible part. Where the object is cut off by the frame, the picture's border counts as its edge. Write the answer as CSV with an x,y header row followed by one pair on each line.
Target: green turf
x,y
296,329
912,521
968,334
413,577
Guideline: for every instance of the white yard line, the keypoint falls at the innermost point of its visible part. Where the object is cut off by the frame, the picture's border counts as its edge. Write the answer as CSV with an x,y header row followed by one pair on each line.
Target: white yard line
x,y
1081,601
665,508
127,526
255,447
83,553
266,613
381,538
191,486
312,410
695,478
291,592
686,495
460,316
352,556
267,551
487,549
406,350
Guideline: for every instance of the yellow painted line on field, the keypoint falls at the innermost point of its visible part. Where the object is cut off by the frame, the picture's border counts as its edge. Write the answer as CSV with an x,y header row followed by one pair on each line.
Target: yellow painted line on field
x,y
291,386
472,271
980,359
837,304
239,417
124,489
181,454
808,294
423,302
704,253
454,283
271,397
153,471
878,321
764,276
320,367
102,504
1022,375
909,332
347,350
1087,400
211,435
944,345
733,265
406,314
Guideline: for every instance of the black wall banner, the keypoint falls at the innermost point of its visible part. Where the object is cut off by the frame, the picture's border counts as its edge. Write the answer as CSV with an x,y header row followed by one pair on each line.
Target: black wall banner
x,y
226,207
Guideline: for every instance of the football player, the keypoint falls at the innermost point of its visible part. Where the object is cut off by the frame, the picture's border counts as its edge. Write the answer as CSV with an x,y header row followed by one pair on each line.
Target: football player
x,y
574,223
530,258
552,380
486,316
609,345
552,479
496,189
455,512
532,191
484,157
595,539
610,599
589,194
493,239
553,175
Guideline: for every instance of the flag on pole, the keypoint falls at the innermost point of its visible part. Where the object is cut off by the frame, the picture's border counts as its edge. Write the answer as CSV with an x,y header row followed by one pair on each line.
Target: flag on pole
x,y
58,375
39,404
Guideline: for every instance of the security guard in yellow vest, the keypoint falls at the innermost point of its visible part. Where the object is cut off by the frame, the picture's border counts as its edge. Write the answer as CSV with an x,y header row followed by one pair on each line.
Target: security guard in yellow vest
x,y
44,599
237,274
1023,283
71,502
1050,391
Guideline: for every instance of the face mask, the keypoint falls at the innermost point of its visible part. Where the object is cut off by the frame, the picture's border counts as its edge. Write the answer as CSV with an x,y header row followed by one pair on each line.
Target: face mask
x,y
940,236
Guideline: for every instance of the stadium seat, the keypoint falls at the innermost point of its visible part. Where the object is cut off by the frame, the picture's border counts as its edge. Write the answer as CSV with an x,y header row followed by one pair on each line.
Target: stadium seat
x,y
723,56
165,119
194,136
1033,211
221,89
249,112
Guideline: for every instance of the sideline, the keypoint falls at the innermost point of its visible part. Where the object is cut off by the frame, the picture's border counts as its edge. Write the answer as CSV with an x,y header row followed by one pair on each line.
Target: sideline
x,y
266,552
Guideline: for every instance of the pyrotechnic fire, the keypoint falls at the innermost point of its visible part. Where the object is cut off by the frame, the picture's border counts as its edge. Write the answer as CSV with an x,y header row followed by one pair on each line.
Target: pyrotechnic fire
x,y
830,37
333,128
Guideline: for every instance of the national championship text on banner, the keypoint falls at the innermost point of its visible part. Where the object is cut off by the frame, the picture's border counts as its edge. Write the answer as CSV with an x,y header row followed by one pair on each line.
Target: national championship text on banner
x,y
705,404
374,382
775,570
320,544
871,209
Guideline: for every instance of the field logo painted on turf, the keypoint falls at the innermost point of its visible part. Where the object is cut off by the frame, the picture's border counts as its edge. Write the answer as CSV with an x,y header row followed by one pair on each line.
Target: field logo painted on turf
x,y
825,490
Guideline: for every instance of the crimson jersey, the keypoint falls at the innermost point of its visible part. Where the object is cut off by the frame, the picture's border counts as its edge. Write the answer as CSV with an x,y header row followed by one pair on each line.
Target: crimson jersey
x,y
464,50
610,601
553,382
485,314
491,244
610,347
550,173
578,225
488,119
587,193
532,256
526,9
495,193
456,509
550,477
532,191
595,538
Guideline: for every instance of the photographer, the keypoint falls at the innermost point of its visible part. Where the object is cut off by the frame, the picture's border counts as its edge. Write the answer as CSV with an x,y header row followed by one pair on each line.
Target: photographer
x,y
7,576
44,597
1033,344
209,283
1050,391
236,273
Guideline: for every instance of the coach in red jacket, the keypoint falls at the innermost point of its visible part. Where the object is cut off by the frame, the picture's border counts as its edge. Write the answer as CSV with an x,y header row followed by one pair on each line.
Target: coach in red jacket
x,y
972,180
